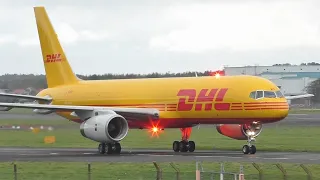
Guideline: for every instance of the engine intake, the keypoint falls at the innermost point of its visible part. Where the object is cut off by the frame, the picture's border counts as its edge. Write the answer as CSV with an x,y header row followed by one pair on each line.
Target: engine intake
x,y
106,128
240,131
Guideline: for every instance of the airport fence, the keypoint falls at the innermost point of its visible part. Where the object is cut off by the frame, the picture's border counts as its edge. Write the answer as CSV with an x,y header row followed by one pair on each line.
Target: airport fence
x,y
157,173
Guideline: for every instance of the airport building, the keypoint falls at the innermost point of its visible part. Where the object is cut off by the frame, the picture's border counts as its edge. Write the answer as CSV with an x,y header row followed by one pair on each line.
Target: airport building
x,y
291,79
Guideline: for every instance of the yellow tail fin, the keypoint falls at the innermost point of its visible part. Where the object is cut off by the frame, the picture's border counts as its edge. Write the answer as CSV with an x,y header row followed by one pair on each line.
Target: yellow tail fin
x,y
57,67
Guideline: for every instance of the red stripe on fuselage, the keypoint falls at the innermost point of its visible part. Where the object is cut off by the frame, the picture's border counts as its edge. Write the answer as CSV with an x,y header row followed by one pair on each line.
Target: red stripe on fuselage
x,y
283,106
265,108
247,103
237,106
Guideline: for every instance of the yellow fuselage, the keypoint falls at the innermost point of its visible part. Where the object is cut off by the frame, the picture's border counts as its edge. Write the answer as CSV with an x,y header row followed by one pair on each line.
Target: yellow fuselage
x,y
179,99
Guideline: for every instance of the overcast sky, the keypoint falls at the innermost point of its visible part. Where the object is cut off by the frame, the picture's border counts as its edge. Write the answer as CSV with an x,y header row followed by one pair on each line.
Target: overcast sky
x,y
144,36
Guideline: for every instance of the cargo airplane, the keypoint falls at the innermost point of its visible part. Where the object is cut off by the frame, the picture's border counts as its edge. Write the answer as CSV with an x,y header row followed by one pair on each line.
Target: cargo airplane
x,y
106,109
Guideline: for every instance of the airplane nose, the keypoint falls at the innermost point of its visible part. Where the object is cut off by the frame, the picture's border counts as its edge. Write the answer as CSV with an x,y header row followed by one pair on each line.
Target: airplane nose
x,y
283,110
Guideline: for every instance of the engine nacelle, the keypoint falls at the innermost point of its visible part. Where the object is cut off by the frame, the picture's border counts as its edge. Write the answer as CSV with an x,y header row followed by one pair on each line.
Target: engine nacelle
x,y
240,131
105,128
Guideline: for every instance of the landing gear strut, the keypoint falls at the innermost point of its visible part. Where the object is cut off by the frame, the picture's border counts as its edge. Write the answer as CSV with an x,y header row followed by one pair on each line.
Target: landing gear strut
x,y
250,148
184,145
109,148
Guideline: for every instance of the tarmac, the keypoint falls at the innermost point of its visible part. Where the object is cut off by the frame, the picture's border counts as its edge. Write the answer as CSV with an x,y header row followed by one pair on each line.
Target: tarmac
x,y
148,155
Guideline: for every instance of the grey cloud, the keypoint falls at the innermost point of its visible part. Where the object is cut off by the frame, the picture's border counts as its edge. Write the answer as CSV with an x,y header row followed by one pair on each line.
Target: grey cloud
x,y
131,25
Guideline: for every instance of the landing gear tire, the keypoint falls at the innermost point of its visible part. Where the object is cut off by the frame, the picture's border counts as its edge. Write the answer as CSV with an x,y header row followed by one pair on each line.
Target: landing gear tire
x,y
109,148
253,149
245,149
102,148
117,148
192,146
175,146
183,146
249,149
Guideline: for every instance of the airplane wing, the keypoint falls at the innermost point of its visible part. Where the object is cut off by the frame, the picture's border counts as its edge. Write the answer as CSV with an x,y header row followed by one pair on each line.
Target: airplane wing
x,y
47,99
83,112
298,96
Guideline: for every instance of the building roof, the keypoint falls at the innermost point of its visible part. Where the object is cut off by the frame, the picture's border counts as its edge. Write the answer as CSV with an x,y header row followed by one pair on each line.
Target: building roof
x,y
290,75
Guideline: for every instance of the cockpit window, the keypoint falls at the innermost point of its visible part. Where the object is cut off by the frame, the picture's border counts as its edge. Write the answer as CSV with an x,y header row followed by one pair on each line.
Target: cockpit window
x,y
259,94
279,94
269,94
265,94
253,95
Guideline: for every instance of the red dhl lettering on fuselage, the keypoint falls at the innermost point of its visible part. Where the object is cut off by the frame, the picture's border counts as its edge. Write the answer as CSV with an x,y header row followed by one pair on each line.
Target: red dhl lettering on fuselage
x,y
206,100
50,58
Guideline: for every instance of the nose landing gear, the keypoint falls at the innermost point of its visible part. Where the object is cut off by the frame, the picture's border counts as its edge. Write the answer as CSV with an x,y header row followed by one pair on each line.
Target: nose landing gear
x,y
251,131
250,148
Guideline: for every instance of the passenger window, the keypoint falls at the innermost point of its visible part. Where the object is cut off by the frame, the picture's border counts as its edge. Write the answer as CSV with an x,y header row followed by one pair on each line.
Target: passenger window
x,y
269,94
279,94
259,94
253,95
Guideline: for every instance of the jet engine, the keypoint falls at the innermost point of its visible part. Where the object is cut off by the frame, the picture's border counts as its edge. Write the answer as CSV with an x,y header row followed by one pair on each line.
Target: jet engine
x,y
105,128
240,131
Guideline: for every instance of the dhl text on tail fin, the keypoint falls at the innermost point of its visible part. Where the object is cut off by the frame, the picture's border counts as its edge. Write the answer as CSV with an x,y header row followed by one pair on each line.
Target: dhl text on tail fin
x,y
57,67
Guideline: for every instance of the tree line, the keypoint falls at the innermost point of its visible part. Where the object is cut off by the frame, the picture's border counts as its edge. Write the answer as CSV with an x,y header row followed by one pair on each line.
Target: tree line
x,y
314,88
23,81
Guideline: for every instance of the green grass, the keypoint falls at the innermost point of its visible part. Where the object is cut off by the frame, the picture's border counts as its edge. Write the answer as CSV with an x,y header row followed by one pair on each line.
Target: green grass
x,y
19,111
51,122
306,111
271,139
143,171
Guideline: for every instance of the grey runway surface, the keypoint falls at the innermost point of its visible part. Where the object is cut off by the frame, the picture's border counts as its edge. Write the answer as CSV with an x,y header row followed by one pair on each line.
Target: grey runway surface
x,y
311,119
144,155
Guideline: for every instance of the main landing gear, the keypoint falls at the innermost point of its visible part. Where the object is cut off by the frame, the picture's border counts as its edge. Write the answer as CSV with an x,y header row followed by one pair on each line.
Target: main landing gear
x,y
184,145
109,148
250,148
